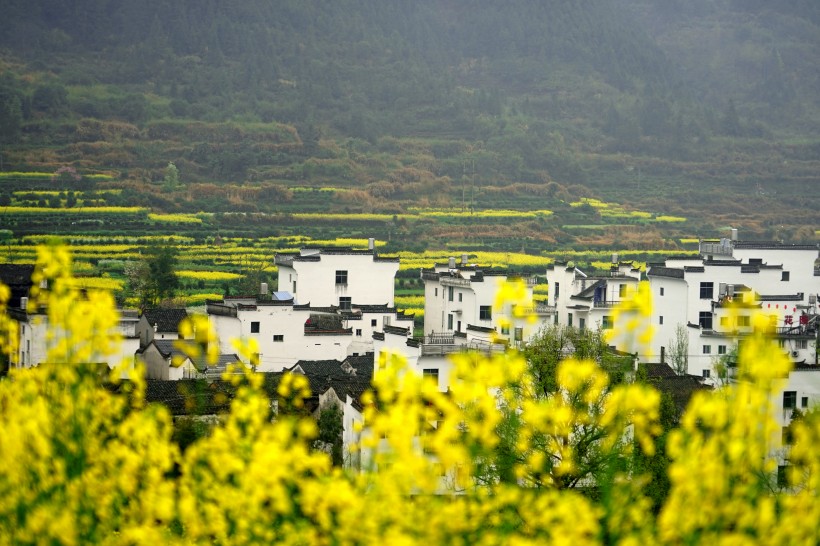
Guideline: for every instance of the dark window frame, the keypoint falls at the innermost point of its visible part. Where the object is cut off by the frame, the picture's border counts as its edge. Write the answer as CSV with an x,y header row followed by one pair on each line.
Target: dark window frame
x,y
341,276
789,400
707,290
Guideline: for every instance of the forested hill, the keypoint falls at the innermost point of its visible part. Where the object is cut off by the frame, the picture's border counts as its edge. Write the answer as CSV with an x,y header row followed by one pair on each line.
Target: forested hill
x,y
521,91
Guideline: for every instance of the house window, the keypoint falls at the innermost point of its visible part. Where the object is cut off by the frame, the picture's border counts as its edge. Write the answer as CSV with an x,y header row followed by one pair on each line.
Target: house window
x,y
707,374
557,291
519,334
786,436
345,302
660,319
661,290
435,291
450,321
705,320
707,290
278,338
724,322
782,475
569,319
804,402
744,320
802,343
341,276
784,276
721,349
458,326
707,349
505,329
606,323
460,296
374,323
622,291
789,399
449,293
359,332
582,323
485,312
255,327
432,373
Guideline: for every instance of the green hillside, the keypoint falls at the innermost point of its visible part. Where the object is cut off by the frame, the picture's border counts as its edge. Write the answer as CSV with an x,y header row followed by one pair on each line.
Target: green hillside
x,y
704,109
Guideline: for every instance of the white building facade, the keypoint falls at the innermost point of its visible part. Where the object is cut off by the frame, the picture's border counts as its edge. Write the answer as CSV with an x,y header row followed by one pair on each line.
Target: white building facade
x,y
461,298
717,297
329,304
325,277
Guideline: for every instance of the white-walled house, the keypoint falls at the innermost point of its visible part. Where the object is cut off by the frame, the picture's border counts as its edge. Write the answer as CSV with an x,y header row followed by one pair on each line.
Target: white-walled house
x,y
325,277
164,360
160,323
430,357
340,383
286,332
329,303
588,301
33,342
158,357
460,297
716,297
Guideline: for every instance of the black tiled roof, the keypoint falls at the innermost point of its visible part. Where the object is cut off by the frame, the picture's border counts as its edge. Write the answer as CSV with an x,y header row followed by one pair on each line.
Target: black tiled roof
x,y
480,328
656,371
781,297
680,388
672,272
167,320
190,396
589,291
18,279
773,245
166,347
351,377
398,330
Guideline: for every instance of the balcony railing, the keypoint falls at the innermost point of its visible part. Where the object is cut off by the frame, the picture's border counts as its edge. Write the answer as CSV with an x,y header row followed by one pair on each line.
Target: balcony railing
x,y
444,349
797,331
538,309
439,339
605,303
443,343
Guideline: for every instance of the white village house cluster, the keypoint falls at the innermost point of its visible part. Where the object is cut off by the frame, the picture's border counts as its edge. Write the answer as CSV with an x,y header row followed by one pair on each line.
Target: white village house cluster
x,y
333,314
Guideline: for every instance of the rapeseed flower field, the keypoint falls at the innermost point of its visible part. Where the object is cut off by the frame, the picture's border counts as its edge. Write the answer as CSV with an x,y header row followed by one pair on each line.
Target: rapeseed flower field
x,y
85,463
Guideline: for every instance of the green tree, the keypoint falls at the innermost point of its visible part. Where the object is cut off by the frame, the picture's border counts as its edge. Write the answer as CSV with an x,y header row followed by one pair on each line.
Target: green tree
x,y
330,433
655,467
595,458
171,180
679,350
153,279
555,343
254,272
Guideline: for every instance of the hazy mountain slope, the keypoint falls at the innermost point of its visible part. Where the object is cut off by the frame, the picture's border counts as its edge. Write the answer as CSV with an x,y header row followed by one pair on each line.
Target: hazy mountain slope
x,y
704,103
